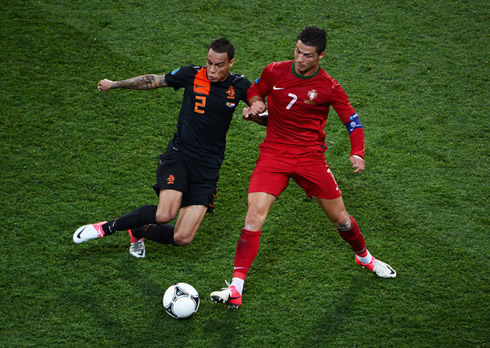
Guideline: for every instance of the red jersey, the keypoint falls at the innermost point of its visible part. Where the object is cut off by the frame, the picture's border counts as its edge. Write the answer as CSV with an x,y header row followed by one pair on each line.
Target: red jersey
x,y
298,108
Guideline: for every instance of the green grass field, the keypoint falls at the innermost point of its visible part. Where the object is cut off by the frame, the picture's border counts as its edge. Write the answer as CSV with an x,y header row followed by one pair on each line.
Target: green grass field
x,y
417,73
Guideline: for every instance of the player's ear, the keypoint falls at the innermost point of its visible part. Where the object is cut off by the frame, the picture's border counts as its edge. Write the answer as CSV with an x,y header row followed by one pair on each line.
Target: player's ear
x,y
321,55
232,60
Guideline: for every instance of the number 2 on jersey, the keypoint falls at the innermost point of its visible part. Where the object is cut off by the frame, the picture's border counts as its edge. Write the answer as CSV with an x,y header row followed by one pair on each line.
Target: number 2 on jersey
x,y
200,104
295,97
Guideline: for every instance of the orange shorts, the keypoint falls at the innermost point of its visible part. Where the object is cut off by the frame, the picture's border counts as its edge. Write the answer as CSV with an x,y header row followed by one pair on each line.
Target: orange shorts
x,y
275,167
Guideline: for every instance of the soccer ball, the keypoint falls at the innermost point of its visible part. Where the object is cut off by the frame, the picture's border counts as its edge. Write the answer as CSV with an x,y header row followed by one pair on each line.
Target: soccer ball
x,y
181,301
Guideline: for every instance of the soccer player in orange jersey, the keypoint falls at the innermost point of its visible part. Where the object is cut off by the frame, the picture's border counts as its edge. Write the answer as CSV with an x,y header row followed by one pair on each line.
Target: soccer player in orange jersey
x,y
188,170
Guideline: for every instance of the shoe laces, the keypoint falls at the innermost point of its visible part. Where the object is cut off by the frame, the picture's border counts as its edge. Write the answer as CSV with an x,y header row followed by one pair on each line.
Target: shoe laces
x,y
232,291
228,287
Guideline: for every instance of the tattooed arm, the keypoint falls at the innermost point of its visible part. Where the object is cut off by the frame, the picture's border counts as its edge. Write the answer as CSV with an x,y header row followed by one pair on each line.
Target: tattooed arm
x,y
138,82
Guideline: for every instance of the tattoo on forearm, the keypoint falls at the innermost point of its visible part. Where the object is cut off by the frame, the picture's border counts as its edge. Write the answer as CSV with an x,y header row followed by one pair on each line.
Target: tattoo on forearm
x,y
143,82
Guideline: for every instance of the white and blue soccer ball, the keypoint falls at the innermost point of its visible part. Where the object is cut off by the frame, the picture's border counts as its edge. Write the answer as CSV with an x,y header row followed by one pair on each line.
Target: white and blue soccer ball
x,y
181,301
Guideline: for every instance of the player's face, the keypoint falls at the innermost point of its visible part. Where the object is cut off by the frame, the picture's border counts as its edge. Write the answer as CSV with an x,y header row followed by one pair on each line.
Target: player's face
x,y
306,59
218,66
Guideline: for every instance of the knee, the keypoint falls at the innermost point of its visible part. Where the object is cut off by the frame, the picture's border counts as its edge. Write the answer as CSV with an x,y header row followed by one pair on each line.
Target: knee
x,y
254,220
341,219
182,240
163,217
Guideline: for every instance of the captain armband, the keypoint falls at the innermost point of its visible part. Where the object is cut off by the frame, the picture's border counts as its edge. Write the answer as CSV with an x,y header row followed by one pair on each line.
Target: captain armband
x,y
353,124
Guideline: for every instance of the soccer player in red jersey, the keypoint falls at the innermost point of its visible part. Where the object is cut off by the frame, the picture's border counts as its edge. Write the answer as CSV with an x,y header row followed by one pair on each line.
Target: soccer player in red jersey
x,y
297,95
188,170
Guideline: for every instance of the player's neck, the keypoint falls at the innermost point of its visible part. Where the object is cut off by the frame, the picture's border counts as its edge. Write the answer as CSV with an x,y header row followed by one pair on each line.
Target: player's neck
x,y
306,74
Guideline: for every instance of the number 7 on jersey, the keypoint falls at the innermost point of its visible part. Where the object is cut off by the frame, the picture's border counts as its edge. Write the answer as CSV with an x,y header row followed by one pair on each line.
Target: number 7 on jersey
x,y
295,97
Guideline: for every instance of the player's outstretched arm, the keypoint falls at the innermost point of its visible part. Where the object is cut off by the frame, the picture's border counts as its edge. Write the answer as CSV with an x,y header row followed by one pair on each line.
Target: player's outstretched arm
x,y
139,82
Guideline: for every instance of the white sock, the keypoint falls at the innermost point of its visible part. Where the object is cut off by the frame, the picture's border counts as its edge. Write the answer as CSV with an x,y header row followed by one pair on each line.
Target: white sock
x,y
238,283
366,259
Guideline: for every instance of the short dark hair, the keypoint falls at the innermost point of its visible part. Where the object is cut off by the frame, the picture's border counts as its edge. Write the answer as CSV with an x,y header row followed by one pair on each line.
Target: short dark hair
x,y
223,45
314,36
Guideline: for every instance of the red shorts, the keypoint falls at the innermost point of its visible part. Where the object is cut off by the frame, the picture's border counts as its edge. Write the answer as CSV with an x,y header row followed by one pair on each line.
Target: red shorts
x,y
310,171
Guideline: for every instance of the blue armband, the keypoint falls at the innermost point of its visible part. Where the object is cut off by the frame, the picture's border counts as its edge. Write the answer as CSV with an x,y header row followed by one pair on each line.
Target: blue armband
x,y
353,124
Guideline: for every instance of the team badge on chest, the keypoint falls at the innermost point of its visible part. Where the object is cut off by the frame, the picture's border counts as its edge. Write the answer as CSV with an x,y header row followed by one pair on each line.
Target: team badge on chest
x,y
231,92
312,94
230,95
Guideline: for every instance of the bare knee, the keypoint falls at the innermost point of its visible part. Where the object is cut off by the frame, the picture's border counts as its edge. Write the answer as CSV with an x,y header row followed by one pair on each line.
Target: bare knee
x,y
340,219
254,220
183,240
335,210
259,204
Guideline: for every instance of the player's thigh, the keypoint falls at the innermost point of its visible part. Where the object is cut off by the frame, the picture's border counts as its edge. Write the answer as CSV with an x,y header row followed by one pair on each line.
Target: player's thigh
x,y
188,223
334,209
270,175
314,176
168,205
259,204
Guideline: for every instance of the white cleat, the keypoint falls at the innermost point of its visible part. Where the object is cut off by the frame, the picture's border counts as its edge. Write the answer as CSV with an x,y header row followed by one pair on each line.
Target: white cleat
x,y
137,248
380,268
229,296
88,232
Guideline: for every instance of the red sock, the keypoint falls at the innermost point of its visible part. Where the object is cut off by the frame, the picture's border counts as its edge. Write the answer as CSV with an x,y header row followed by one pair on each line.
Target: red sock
x,y
246,251
354,237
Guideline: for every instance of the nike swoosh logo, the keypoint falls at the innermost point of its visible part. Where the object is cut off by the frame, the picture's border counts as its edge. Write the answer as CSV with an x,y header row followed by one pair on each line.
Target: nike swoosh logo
x,y
277,88
79,233
141,253
239,268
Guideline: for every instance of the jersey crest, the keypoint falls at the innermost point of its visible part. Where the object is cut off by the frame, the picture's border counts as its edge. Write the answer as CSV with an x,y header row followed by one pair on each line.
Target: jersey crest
x,y
312,94
171,179
231,92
